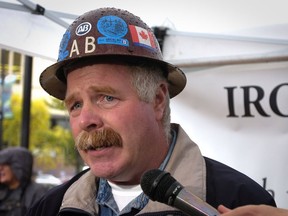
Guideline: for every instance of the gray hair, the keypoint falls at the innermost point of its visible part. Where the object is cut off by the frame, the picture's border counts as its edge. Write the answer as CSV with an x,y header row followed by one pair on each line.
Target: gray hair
x,y
146,80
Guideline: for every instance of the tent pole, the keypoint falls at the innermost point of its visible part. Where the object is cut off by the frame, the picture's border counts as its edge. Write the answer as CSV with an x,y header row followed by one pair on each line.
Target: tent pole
x,y
41,10
2,105
25,131
224,60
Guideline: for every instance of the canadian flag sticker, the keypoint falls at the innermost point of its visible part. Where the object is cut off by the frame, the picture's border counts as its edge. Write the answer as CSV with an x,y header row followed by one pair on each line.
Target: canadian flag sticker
x,y
142,37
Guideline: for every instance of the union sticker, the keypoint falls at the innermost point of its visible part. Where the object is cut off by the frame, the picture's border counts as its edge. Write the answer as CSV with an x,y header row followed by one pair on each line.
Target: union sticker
x,y
83,28
63,52
114,29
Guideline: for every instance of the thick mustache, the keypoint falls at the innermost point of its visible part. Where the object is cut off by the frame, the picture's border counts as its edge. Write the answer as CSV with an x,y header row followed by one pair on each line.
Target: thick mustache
x,y
97,139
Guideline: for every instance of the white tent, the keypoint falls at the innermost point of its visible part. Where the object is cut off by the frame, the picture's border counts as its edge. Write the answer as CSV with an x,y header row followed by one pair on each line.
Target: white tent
x,y
235,102
32,30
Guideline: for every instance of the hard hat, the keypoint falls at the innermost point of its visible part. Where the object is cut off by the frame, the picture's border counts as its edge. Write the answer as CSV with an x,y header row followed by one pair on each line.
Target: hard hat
x,y
110,33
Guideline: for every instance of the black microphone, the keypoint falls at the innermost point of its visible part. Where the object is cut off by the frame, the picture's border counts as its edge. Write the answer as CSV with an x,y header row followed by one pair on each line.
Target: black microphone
x,y
162,187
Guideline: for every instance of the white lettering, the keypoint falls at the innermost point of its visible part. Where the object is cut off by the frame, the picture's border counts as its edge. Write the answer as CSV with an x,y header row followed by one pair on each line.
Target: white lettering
x,y
90,44
74,48
83,28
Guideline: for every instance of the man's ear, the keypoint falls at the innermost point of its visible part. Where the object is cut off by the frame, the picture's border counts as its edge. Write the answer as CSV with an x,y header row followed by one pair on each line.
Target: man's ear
x,y
160,100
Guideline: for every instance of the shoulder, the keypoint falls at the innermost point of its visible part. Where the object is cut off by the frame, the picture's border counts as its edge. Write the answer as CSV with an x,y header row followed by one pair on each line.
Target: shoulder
x,y
35,187
228,186
33,192
50,203
223,172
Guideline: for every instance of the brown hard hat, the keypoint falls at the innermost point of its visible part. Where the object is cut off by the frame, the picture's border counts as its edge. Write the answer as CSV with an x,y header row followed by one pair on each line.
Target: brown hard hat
x,y
108,32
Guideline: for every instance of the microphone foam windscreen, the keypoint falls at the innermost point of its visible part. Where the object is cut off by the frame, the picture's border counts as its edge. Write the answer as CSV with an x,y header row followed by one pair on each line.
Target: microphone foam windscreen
x,y
155,184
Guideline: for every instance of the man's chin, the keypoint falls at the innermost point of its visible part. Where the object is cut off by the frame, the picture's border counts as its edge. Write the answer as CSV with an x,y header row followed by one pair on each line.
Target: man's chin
x,y
101,172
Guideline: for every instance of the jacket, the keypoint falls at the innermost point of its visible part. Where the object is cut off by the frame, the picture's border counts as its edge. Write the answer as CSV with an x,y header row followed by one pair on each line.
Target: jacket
x,y
208,179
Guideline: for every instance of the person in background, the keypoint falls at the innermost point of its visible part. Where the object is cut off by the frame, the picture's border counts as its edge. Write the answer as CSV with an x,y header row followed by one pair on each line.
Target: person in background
x,y
17,190
253,210
117,88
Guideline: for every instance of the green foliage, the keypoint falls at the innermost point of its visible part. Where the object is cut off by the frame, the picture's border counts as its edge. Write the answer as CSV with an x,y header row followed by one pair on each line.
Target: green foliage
x,y
52,147
12,126
55,103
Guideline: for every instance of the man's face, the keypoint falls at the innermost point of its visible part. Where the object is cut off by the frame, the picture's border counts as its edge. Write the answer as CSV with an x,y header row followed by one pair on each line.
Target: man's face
x,y
101,98
6,175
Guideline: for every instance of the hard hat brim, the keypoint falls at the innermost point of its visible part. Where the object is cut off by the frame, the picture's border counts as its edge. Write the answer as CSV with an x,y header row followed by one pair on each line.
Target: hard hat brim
x,y
56,87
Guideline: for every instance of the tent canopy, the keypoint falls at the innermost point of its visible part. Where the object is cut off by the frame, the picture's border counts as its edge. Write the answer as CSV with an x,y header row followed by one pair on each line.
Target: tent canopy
x,y
31,29
36,31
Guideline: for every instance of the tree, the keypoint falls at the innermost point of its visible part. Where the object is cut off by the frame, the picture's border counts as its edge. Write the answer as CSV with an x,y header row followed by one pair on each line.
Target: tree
x,y
51,147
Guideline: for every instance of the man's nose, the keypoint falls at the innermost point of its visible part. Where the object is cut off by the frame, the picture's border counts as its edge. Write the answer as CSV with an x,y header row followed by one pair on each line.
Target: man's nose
x,y
90,118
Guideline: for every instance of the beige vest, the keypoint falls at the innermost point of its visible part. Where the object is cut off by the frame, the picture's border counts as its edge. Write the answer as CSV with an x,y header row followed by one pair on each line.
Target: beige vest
x,y
186,165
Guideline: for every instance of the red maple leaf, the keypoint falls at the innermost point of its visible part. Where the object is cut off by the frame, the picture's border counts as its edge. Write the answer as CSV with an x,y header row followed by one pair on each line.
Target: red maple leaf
x,y
143,35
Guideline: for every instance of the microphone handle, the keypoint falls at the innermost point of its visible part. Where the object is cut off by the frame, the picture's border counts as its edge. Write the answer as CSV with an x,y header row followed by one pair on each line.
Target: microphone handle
x,y
193,205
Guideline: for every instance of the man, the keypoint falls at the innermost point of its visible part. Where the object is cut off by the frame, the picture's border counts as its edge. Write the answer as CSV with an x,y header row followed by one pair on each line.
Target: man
x,y
17,191
116,87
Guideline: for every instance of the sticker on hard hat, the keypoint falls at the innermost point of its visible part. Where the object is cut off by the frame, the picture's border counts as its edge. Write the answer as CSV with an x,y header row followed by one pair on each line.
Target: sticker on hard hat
x,y
113,28
142,37
83,28
63,52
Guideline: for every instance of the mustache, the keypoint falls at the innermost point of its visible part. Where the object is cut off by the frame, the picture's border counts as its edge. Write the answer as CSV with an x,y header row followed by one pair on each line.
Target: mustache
x,y
98,139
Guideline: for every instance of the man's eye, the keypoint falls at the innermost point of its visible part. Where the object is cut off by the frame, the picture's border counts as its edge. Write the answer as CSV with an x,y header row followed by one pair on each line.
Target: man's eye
x,y
107,101
75,106
109,98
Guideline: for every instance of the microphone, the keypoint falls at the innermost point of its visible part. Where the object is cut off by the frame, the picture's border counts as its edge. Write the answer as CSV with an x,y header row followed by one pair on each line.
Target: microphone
x,y
162,187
